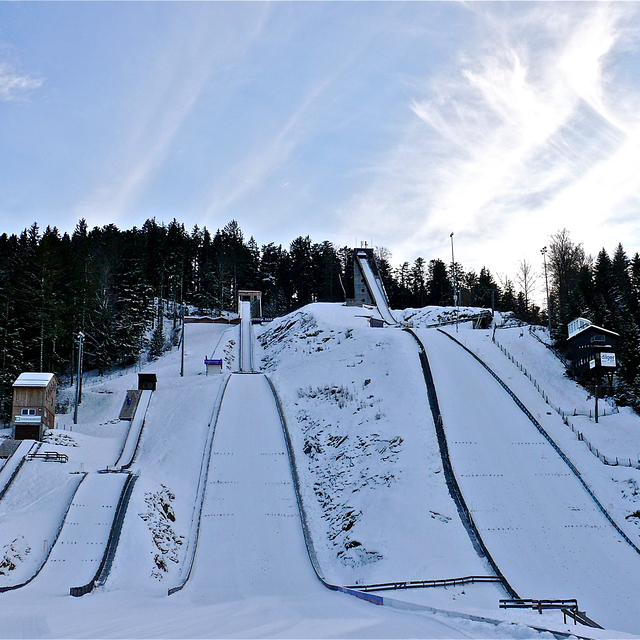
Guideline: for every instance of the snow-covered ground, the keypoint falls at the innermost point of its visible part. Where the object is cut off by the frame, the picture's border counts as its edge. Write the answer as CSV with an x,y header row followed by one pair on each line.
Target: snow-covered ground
x,y
372,485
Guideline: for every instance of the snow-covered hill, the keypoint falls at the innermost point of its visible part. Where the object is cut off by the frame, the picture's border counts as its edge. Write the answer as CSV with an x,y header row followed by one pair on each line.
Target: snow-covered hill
x,y
372,484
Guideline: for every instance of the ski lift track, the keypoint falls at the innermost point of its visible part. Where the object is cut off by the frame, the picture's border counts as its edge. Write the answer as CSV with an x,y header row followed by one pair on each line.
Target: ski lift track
x,y
202,486
550,440
84,474
111,547
361,591
452,482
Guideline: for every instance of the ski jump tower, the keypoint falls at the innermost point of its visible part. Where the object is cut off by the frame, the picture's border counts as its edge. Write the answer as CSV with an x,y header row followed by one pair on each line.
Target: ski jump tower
x,y
367,283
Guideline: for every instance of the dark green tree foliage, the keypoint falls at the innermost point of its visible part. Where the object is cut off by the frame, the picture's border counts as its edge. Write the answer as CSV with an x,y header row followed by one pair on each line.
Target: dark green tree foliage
x,y
565,262
121,287
440,284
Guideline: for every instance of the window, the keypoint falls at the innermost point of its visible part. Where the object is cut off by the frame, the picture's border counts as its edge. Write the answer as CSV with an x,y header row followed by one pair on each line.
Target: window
x,y
28,412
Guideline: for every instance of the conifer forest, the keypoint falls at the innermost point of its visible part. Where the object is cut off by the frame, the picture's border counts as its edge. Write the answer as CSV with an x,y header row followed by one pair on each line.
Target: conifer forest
x,y
116,285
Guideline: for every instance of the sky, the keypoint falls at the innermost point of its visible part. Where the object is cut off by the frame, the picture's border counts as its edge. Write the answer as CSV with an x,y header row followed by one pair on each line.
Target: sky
x,y
394,123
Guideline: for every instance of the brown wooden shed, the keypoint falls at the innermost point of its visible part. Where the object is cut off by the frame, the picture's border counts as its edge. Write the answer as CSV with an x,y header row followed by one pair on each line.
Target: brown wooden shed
x,y
34,405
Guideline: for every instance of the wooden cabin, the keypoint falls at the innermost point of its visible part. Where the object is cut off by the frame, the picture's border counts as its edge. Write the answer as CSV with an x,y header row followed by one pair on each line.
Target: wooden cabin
x,y
34,405
592,349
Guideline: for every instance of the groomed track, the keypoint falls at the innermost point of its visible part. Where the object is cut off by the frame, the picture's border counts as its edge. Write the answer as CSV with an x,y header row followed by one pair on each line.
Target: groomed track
x,y
541,527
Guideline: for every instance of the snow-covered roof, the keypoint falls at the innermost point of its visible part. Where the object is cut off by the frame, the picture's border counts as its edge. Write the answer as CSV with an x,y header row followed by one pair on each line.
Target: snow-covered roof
x,y
578,329
33,380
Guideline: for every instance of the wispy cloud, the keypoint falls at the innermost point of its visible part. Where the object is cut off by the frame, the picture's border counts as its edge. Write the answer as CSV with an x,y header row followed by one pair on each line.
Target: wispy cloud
x,y
530,132
179,75
14,86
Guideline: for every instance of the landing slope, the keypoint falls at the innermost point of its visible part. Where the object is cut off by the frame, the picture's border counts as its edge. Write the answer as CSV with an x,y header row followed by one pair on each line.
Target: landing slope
x,y
251,553
537,521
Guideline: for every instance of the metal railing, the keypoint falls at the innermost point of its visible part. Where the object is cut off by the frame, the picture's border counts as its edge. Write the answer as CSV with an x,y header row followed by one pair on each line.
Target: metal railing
x,y
569,607
425,584
48,456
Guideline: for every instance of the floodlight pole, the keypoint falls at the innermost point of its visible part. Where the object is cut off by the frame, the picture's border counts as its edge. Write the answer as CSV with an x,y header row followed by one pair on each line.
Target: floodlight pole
x,y
78,377
455,286
543,251
182,349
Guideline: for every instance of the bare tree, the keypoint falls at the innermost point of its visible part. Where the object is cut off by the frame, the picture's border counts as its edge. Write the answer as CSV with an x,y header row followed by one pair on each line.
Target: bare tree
x,y
527,279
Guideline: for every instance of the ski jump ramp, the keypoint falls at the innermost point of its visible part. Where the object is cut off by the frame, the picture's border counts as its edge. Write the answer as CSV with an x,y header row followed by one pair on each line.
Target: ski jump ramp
x,y
251,554
376,289
542,528
246,344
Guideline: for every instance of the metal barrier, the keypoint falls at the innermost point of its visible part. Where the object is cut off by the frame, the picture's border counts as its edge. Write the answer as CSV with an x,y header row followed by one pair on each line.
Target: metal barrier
x,y
422,584
548,438
48,456
569,607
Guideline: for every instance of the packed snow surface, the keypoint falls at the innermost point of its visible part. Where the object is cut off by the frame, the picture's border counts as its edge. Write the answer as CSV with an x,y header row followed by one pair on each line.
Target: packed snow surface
x,y
371,483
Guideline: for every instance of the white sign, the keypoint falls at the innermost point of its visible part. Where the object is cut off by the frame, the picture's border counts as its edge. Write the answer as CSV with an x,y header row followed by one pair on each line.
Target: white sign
x,y
608,360
28,419
592,363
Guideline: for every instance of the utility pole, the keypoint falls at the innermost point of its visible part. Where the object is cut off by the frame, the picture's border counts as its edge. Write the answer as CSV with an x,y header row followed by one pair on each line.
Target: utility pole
x,y
78,377
596,394
455,285
543,251
182,348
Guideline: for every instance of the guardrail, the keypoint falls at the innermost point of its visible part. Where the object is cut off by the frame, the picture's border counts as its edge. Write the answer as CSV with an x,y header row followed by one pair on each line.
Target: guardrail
x,y
196,517
452,482
425,584
550,440
569,607
112,543
48,456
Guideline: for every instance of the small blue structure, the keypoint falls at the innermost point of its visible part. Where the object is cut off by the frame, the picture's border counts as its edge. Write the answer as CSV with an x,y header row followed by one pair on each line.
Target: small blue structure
x,y
213,366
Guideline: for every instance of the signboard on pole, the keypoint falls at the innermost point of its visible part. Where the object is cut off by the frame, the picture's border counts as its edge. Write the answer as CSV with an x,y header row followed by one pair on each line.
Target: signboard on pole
x,y
608,360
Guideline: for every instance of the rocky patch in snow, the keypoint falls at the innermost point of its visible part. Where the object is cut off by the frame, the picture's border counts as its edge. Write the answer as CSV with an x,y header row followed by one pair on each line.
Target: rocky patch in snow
x,y
62,439
159,519
229,357
345,460
13,554
631,497
300,332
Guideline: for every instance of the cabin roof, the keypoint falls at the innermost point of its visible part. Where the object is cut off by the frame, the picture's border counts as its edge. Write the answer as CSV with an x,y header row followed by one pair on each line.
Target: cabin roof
x,y
594,328
33,380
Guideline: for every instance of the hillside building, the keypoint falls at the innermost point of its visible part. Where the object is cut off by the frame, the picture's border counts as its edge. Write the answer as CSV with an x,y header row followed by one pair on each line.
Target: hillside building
x,y
34,405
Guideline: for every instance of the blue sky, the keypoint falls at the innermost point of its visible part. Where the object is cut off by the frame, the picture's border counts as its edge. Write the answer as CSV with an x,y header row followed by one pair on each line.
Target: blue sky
x,y
396,123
